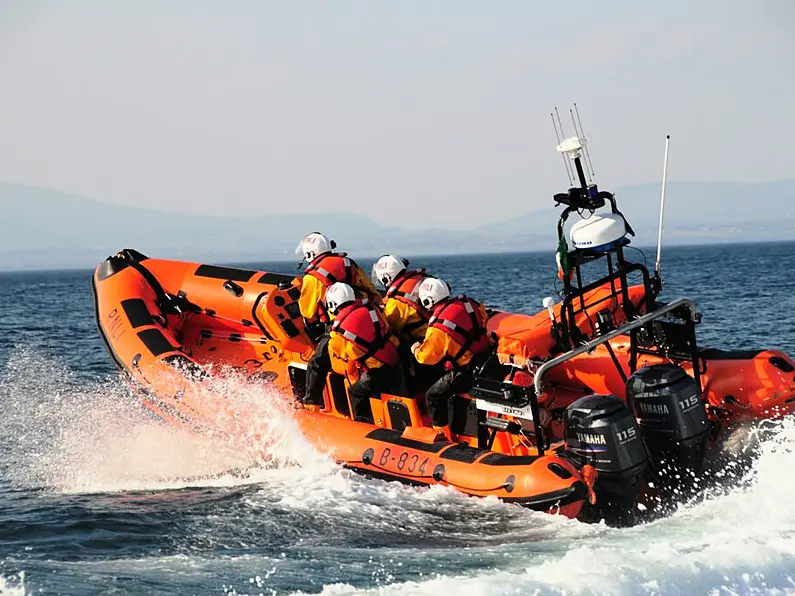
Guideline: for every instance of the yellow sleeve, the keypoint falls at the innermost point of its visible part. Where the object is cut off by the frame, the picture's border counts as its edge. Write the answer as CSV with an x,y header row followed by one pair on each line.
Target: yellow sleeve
x,y
344,355
395,313
311,294
361,280
353,352
340,355
433,348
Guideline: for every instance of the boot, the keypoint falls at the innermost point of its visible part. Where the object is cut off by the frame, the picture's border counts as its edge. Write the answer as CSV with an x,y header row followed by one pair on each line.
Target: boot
x,y
313,394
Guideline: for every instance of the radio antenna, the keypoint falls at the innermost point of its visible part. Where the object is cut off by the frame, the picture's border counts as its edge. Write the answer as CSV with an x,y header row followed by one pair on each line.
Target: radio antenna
x,y
560,137
581,136
582,132
657,265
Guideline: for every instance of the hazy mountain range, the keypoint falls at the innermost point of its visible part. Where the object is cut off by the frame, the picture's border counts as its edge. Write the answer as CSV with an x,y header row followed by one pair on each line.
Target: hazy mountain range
x,y
42,228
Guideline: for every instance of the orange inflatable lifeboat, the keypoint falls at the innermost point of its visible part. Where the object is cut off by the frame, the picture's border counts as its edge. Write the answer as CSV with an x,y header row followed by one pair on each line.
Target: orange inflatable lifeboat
x,y
548,428
602,401
168,323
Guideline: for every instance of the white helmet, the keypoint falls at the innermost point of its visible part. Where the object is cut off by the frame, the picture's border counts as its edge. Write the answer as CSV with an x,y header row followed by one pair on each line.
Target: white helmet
x,y
337,295
432,291
313,245
387,268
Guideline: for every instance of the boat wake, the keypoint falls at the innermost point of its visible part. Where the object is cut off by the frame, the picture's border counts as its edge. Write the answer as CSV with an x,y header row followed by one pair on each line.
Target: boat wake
x,y
64,435
734,541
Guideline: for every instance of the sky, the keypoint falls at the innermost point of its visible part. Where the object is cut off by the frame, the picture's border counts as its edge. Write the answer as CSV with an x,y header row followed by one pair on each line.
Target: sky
x,y
417,114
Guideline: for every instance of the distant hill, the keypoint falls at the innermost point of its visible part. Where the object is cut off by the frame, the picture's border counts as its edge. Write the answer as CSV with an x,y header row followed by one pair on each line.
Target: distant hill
x,y
43,228
694,212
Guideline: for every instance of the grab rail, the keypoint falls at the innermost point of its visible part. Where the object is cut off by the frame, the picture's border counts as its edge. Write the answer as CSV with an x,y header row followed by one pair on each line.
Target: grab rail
x,y
590,345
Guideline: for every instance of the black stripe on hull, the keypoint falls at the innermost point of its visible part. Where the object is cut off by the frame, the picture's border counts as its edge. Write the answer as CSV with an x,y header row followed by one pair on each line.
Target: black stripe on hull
x,y
393,437
217,272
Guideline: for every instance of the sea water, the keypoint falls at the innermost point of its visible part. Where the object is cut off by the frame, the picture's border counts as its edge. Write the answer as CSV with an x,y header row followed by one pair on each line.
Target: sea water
x,y
97,496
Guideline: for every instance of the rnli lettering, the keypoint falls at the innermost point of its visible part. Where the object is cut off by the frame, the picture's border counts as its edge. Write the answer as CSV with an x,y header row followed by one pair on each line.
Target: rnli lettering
x,y
115,325
648,408
402,461
591,438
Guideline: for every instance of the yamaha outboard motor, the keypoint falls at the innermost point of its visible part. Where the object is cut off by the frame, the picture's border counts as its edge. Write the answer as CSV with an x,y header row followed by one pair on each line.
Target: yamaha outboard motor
x,y
601,430
673,419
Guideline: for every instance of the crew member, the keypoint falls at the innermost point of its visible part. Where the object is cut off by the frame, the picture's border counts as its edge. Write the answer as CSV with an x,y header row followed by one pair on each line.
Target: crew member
x,y
456,337
324,269
361,348
407,318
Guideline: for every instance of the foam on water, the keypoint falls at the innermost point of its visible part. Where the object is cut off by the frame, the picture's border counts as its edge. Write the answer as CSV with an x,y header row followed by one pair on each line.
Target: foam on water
x,y
13,586
75,437
64,434
740,543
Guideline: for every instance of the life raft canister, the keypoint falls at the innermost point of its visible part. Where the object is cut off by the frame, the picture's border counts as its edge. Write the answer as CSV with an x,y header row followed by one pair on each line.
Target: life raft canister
x,y
361,324
458,318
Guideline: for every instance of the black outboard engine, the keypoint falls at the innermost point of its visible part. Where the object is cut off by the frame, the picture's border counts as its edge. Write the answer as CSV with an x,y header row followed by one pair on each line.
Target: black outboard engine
x,y
601,430
673,419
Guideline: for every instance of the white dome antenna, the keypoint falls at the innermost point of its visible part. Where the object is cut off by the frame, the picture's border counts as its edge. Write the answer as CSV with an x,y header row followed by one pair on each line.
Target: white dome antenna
x,y
601,232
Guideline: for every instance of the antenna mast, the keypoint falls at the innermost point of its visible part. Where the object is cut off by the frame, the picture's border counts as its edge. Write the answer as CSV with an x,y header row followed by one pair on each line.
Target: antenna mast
x,y
575,149
657,265
558,126
581,134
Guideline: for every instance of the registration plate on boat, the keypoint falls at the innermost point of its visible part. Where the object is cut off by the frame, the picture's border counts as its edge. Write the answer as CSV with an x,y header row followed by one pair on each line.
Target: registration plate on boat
x,y
525,412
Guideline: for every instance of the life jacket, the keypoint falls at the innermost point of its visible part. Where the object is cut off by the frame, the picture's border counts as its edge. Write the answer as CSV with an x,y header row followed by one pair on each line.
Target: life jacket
x,y
362,324
402,289
458,318
330,268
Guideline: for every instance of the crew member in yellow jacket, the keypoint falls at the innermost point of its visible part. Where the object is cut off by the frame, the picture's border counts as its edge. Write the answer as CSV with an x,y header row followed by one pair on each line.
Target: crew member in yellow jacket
x,y
407,318
456,336
362,348
324,269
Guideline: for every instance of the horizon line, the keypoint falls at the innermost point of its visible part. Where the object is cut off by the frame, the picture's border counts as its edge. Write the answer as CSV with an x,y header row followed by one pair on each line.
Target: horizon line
x,y
368,257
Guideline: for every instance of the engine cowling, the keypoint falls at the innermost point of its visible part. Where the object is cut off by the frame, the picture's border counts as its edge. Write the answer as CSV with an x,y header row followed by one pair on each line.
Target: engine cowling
x,y
600,430
672,417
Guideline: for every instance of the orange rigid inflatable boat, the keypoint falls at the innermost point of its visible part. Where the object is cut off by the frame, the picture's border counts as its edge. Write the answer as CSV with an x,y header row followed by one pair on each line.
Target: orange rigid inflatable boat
x,y
164,322
596,404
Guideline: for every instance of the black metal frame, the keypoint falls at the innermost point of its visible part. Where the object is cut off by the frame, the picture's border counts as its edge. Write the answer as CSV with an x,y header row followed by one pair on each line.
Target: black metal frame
x,y
507,394
571,341
574,298
682,308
